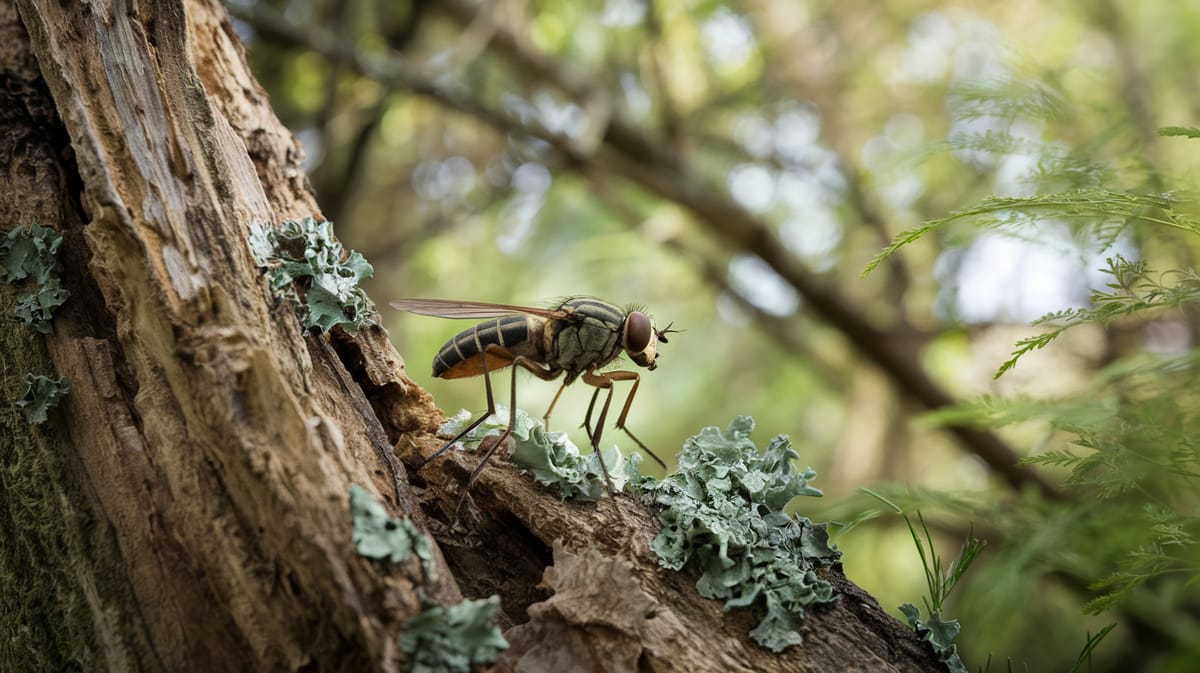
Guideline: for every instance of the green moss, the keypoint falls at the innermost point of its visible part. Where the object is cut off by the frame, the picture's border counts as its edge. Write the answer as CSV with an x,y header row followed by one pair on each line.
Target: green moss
x,y
46,623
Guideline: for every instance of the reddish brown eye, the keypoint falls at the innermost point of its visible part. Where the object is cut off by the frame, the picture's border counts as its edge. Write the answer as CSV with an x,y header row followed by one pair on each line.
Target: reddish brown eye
x,y
638,330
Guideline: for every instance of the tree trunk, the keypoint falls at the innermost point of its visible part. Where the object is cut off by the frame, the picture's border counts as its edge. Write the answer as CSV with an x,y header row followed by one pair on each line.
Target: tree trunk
x,y
186,506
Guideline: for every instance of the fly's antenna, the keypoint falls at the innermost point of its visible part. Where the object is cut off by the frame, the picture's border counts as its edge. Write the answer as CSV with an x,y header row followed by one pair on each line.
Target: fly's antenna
x,y
662,333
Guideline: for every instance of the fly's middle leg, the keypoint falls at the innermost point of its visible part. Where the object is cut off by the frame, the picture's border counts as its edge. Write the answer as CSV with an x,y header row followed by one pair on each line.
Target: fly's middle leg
x,y
546,418
537,370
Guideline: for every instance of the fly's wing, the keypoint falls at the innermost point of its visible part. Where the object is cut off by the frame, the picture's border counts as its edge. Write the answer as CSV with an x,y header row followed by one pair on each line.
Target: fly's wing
x,y
447,308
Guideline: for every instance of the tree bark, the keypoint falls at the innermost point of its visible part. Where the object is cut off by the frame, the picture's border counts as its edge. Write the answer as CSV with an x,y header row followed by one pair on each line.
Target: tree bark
x,y
186,507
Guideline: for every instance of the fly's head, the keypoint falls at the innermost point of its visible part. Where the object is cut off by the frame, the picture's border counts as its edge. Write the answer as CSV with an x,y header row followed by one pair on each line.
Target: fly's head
x,y
640,339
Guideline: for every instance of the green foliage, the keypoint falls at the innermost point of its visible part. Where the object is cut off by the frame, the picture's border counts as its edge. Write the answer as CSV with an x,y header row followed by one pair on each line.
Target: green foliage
x,y
1007,97
41,395
550,457
1100,208
1184,131
1085,655
1129,453
939,581
724,509
378,535
30,252
1132,291
1133,463
453,639
1171,548
306,262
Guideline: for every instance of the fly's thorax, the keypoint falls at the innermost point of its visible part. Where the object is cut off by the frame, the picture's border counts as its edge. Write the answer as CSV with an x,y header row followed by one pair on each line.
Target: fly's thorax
x,y
590,337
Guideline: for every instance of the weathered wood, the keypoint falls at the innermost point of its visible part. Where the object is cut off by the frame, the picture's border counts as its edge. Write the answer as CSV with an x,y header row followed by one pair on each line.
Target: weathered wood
x,y
606,546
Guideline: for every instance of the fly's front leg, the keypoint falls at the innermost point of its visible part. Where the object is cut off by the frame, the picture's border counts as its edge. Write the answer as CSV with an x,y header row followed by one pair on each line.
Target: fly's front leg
x,y
609,378
600,381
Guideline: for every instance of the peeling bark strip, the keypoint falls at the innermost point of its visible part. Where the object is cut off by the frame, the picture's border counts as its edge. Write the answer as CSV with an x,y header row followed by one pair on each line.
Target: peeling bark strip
x,y
186,507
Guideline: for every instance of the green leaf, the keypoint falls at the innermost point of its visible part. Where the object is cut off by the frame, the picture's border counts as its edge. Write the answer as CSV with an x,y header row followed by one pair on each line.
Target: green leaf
x,y
1092,641
1134,291
41,395
453,639
1098,207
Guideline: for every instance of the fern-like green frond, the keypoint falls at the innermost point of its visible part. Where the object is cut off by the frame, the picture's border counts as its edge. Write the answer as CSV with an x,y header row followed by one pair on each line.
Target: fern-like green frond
x,y
1095,207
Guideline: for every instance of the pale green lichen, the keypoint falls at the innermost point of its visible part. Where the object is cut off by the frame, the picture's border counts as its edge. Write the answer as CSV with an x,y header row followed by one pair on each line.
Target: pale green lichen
x,y
441,639
378,535
453,639
551,457
31,252
939,634
306,263
41,395
723,509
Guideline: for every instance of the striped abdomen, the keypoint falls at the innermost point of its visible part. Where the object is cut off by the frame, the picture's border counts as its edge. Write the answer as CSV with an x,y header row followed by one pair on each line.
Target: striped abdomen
x,y
513,334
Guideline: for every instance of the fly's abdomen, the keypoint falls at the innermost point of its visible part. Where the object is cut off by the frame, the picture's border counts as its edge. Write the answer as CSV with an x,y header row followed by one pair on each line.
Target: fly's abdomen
x,y
462,355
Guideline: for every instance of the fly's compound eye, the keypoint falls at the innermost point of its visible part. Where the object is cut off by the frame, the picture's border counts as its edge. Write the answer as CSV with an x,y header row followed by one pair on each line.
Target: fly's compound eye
x,y
638,331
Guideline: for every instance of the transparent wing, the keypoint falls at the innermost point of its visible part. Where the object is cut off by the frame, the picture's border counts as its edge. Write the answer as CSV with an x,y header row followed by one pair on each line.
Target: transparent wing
x,y
448,308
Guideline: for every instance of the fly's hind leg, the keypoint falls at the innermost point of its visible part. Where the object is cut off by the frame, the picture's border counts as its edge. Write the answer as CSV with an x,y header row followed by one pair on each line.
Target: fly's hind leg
x,y
491,409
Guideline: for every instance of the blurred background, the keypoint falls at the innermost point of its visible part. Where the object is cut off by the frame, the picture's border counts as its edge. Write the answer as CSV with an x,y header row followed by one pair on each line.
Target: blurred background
x,y
734,167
